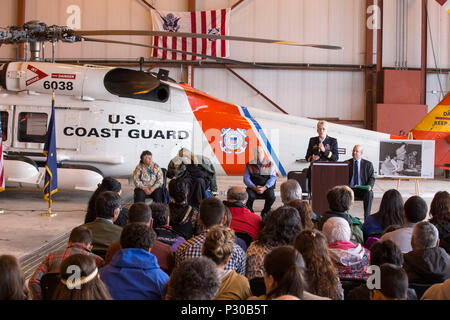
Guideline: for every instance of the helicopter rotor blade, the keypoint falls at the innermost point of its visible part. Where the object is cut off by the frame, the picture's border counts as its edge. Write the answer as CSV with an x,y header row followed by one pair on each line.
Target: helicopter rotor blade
x,y
198,35
218,59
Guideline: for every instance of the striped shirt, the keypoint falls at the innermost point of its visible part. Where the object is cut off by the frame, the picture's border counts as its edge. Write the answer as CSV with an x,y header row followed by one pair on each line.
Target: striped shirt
x,y
193,248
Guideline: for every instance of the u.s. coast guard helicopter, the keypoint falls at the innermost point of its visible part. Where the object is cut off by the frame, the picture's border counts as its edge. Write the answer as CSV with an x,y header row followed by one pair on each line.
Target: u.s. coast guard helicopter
x,y
105,117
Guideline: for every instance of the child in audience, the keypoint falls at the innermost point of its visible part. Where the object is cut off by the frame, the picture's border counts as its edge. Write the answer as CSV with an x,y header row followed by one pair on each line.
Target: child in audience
x,y
394,283
87,286
193,279
218,246
12,282
80,241
284,275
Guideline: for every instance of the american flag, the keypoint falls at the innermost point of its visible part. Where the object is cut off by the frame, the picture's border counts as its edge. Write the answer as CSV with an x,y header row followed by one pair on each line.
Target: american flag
x,y
2,165
207,22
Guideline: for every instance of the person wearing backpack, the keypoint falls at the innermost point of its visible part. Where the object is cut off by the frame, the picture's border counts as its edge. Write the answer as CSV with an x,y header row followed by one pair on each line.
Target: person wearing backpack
x,y
340,200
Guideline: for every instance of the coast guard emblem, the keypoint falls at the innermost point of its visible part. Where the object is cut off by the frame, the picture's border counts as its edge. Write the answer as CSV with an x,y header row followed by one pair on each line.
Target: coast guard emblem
x,y
233,140
170,22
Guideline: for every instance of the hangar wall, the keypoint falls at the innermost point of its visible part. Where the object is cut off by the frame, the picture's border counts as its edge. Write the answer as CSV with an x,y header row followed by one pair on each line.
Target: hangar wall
x,y
336,94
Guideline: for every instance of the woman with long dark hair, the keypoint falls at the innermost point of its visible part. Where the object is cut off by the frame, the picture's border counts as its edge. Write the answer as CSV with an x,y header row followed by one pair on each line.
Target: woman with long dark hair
x,y
108,184
389,213
321,273
80,280
440,213
280,229
183,218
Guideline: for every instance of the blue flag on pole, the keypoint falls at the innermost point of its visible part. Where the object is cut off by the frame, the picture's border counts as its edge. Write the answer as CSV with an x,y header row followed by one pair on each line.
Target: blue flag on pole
x,y
51,177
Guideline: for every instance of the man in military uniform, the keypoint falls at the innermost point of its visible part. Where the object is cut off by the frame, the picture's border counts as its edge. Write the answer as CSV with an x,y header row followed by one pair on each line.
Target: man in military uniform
x,y
321,148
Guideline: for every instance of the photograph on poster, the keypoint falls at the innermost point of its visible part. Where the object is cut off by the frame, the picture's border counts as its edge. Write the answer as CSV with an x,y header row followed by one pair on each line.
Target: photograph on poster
x,y
406,158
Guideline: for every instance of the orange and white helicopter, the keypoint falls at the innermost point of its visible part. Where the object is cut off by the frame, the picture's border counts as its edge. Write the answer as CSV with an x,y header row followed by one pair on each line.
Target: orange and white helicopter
x,y
105,117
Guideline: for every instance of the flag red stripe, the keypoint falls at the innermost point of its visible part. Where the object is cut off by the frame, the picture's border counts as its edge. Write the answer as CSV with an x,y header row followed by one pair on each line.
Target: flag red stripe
x,y
183,47
174,46
164,45
194,30
441,2
204,41
155,51
213,25
223,26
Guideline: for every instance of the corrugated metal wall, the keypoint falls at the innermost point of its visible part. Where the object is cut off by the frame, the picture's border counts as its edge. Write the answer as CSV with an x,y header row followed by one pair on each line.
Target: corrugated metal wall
x,y
305,93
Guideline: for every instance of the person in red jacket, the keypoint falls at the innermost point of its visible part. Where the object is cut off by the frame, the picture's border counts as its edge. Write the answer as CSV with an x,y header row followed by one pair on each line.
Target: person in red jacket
x,y
242,219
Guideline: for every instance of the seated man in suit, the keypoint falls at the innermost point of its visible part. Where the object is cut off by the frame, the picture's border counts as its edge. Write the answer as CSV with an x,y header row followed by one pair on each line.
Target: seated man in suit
x,y
361,175
260,178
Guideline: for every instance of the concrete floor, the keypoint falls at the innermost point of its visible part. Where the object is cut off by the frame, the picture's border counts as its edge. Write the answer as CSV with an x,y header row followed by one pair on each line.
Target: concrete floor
x,y
24,229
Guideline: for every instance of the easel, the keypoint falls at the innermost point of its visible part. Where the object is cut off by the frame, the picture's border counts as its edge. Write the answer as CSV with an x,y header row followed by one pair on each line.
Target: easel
x,y
416,184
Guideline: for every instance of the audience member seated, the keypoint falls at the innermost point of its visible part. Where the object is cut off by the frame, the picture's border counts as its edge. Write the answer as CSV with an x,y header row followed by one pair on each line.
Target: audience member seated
x,y
393,283
218,246
389,213
88,286
351,260
239,241
415,210
321,273
340,200
305,211
134,273
426,263
212,212
182,216
108,184
243,220
141,213
260,179
164,232
197,172
281,227
12,281
80,242
194,279
148,179
440,213
382,252
284,275
290,190
439,291
104,231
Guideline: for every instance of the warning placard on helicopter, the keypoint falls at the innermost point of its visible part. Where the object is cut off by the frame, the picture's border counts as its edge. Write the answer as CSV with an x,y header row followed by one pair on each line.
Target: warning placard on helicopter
x,y
40,75
63,76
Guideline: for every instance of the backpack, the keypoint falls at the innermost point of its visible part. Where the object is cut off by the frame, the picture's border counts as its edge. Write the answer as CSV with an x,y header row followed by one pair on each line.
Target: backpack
x,y
356,228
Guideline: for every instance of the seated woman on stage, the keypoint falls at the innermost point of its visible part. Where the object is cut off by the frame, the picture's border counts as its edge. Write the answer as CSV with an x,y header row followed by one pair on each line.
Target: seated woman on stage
x,y
197,171
108,184
148,179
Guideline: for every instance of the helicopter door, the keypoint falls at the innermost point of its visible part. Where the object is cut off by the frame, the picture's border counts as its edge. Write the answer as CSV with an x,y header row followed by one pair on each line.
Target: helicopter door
x,y
30,127
6,114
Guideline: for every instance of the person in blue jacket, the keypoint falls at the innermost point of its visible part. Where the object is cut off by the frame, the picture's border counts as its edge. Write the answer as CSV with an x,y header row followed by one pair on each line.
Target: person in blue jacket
x,y
134,273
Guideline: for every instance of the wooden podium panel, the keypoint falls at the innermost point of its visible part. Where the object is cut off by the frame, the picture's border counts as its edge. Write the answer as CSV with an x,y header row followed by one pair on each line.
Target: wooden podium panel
x,y
324,176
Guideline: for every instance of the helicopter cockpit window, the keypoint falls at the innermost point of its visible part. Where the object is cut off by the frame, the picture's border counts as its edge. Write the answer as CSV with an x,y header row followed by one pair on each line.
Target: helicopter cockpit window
x,y
32,127
4,119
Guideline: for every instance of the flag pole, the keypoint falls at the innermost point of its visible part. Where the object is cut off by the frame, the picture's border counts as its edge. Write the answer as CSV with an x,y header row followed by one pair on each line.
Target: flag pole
x,y
49,212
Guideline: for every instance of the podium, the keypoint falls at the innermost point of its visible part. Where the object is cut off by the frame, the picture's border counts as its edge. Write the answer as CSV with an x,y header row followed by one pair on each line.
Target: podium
x,y
324,176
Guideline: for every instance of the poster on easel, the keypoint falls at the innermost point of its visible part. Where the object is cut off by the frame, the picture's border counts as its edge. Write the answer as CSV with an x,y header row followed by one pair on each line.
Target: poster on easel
x,y
406,159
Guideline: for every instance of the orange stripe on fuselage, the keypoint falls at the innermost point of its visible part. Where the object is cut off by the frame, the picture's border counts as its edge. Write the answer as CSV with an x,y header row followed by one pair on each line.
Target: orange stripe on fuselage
x,y
214,115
